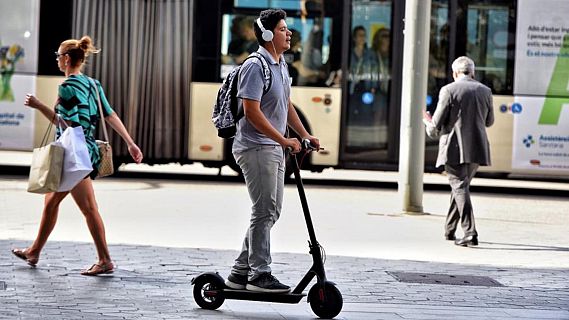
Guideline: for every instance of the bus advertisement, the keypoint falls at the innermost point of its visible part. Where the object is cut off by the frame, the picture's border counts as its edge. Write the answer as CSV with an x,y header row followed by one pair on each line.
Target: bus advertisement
x,y
541,88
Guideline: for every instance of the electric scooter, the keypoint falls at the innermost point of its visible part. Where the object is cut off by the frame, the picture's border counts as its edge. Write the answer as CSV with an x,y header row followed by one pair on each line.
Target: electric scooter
x,y
325,299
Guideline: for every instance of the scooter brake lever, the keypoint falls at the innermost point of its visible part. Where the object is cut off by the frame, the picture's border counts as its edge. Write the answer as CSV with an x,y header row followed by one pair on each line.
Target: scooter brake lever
x,y
307,145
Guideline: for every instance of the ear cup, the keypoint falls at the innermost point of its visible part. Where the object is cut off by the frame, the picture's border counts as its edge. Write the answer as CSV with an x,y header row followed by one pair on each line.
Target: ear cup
x,y
267,35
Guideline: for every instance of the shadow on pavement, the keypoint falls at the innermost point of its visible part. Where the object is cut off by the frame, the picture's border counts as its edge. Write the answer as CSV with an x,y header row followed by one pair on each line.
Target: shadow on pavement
x,y
518,247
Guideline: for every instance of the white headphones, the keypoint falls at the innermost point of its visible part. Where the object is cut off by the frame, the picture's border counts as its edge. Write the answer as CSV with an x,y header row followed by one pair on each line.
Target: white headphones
x,y
267,35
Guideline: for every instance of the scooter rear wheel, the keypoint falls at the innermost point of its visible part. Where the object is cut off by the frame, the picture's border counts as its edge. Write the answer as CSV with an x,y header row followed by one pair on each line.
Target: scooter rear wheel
x,y
326,301
208,292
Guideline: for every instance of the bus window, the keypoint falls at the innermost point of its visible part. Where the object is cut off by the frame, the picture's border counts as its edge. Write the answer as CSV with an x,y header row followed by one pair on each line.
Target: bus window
x,y
488,28
303,5
263,4
308,57
369,80
487,35
238,40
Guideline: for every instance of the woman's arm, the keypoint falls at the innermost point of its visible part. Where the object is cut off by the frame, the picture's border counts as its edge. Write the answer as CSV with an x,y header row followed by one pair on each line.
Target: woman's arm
x,y
33,102
117,125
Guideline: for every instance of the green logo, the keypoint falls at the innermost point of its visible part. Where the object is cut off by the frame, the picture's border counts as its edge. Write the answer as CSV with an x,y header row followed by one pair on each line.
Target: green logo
x,y
558,86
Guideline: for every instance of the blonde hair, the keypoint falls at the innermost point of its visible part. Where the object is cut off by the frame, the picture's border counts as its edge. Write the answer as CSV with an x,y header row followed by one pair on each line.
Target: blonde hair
x,y
78,50
377,38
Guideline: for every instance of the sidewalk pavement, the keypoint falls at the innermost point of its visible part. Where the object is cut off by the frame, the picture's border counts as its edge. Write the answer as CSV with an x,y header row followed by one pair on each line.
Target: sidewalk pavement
x,y
154,283
386,265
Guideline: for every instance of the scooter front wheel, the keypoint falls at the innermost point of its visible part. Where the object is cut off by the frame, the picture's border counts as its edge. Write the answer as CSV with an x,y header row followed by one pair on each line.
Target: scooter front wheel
x,y
208,292
326,301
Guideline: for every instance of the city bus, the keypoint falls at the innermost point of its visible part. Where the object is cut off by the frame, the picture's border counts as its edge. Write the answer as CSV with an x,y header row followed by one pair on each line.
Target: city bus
x,y
162,63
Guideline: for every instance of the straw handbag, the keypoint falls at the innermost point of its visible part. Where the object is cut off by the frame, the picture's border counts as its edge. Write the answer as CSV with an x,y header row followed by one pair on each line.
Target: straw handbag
x,y
106,167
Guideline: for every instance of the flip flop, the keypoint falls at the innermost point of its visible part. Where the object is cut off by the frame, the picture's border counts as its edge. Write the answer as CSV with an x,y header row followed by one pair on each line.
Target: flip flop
x,y
97,269
22,255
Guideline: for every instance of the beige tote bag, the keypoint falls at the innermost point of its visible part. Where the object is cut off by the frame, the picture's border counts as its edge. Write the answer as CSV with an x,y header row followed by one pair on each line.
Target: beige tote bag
x,y
46,167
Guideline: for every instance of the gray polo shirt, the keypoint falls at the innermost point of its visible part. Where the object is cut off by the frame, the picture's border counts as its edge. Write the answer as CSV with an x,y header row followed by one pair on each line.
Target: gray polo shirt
x,y
274,104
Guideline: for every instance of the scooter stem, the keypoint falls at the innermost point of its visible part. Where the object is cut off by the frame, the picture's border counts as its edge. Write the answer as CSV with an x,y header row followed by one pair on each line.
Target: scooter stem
x,y
317,268
304,203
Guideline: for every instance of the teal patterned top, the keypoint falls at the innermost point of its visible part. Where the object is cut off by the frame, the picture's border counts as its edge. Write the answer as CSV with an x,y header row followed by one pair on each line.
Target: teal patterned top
x,y
77,104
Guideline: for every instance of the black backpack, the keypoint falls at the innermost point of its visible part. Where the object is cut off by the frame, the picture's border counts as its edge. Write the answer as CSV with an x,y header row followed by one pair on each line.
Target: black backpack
x,y
226,111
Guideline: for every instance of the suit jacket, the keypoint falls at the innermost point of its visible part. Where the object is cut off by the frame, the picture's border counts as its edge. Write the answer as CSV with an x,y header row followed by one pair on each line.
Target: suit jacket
x,y
463,112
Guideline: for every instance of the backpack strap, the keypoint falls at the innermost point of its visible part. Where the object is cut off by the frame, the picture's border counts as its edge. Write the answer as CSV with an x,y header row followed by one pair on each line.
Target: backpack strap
x,y
266,70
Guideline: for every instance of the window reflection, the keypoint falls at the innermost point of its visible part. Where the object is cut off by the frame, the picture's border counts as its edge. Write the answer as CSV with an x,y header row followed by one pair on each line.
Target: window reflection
x,y
304,69
369,79
487,36
243,41
438,53
282,4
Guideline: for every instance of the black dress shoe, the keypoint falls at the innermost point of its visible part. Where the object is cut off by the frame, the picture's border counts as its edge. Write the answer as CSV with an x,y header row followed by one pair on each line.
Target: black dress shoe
x,y
450,237
467,241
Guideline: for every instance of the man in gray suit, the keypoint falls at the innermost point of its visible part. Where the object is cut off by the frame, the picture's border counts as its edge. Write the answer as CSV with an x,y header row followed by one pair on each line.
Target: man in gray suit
x,y
463,112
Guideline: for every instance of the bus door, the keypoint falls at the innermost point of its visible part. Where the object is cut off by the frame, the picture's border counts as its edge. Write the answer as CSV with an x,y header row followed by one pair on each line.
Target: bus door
x,y
490,33
366,114
441,46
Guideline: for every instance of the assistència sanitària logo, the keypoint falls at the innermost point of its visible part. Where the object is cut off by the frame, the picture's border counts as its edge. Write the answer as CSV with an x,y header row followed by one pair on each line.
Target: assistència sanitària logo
x,y
528,141
9,57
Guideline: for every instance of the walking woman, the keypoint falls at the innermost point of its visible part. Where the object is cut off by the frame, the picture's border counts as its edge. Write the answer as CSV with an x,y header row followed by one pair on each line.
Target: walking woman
x,y
77,105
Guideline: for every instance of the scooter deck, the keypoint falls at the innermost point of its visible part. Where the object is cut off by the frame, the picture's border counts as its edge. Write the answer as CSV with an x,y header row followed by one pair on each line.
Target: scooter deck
x,y
262,296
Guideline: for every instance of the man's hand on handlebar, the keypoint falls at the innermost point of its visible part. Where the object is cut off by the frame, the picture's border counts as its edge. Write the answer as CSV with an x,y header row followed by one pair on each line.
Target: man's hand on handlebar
x,y
292,145
313,143
308,144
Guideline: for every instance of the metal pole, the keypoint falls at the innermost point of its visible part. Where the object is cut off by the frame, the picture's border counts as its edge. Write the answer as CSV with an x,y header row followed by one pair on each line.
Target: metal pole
x,y
413,97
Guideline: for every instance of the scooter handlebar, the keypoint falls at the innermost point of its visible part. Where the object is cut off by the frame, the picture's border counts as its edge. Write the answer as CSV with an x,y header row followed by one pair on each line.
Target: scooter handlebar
x,y
306,146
